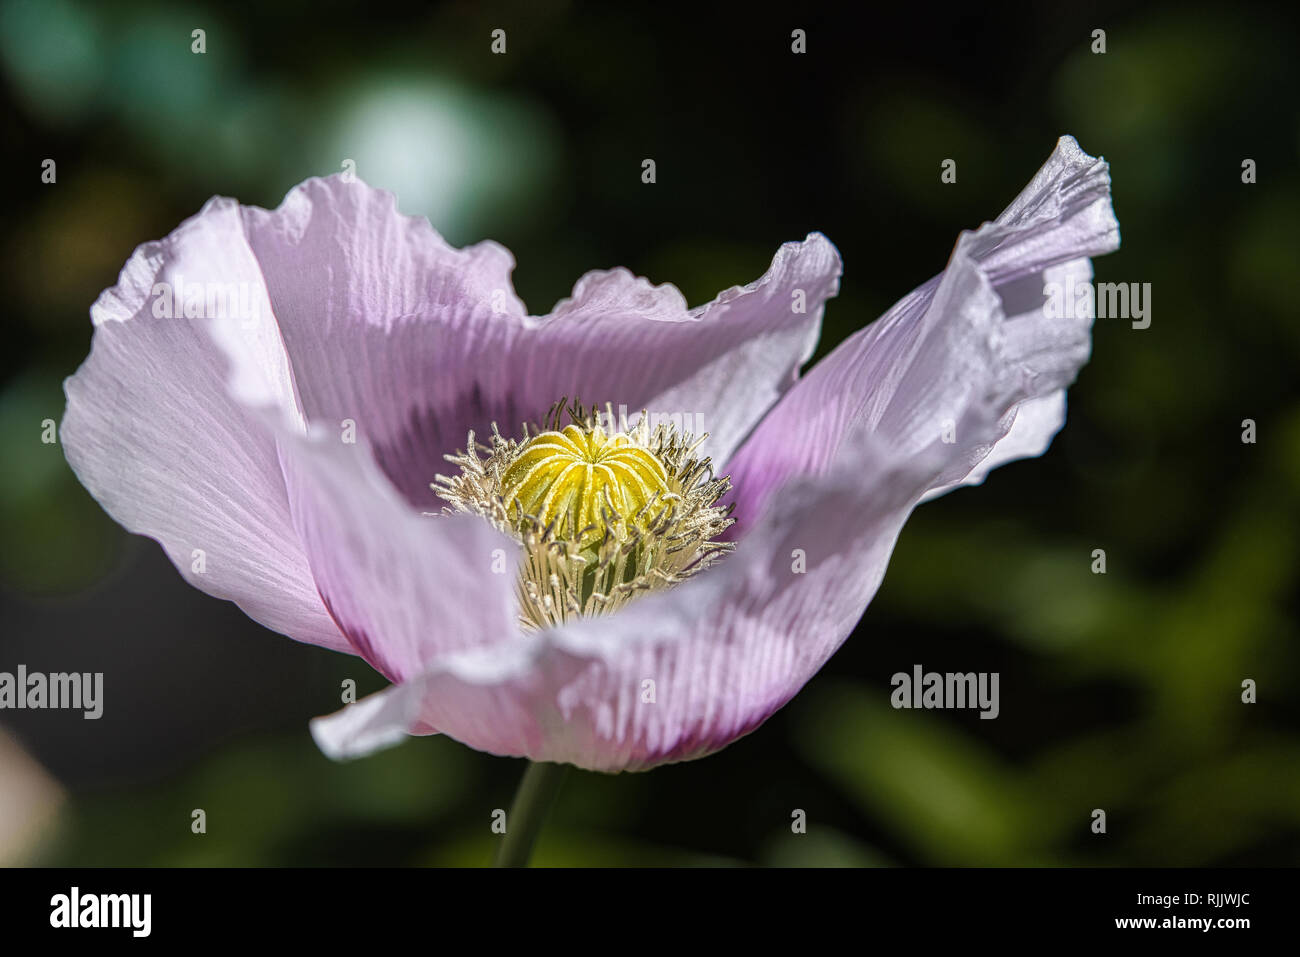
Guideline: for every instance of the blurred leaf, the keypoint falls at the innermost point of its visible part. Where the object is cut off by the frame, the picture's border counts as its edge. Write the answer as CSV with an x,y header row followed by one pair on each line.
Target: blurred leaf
x,y
819,847
945,794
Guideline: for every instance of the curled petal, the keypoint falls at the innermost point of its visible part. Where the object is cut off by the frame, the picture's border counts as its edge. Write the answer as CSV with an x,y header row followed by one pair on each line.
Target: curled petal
x,y
976,334
387,327
405,588
153,432
678,674
621,340
417,344
338,252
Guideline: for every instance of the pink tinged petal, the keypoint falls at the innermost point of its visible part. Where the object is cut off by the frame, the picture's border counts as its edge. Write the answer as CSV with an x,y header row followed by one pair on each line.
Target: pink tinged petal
x,y
1037,421
389,327
724,651
1063,214
419,358
717,368
404,588
976,335
153,433
375,722
340,252
1048,355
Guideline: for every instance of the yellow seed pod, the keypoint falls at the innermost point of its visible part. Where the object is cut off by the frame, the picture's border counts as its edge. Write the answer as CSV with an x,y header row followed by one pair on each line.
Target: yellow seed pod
x,y
601,516
573,477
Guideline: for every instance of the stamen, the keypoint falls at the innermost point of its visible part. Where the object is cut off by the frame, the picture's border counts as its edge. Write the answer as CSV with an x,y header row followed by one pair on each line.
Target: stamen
x,y
602,516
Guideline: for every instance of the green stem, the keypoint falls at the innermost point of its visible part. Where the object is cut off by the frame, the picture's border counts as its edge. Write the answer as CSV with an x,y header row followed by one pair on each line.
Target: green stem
x,y
537,790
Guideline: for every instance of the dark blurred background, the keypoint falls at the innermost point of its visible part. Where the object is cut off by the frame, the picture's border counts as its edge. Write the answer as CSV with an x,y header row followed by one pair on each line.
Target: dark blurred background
x,y
1120,691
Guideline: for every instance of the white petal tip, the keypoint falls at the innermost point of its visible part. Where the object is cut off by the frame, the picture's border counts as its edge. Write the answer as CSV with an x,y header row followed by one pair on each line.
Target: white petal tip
x,y
359,729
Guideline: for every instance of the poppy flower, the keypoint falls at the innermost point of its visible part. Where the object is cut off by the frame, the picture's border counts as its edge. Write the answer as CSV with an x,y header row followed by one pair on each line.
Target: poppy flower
x,y
358,434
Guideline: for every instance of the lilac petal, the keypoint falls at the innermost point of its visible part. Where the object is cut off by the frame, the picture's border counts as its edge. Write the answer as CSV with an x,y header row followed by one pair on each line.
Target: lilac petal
x,y
909,375
724,650
189,430
152,432
417,343
714,369
1037,421
405,588
387,326
338,252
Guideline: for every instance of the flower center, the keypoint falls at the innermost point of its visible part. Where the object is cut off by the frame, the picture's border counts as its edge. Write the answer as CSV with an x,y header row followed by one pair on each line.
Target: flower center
x,y
575,479
602,515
